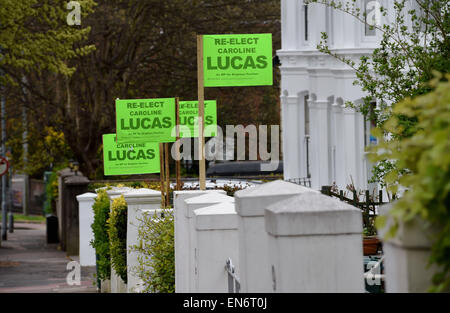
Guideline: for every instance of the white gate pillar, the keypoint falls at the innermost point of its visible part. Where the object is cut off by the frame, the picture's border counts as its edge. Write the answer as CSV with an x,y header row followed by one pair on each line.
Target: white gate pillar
x,y
320,143
216,241
253,240
137,200
315,245
407,255
181,236
86,218
192,204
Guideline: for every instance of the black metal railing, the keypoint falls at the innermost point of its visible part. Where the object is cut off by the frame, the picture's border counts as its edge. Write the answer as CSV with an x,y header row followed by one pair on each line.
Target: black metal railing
x,y
304,181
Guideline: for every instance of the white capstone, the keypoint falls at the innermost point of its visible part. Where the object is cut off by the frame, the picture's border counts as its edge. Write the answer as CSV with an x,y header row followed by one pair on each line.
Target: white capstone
x,y
86,218
205,200
116,192
315,245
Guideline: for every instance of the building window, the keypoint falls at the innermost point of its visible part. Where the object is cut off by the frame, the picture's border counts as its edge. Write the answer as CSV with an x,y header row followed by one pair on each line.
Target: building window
x,y
371,16
305,10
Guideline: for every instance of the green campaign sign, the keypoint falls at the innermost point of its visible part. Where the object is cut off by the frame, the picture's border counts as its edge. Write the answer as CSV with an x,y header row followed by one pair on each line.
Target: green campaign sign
x,y
189,118
237,60
129,159
145,120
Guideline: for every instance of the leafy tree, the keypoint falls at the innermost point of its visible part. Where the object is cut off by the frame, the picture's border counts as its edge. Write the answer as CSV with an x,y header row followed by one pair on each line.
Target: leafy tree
x,y
145,49
156,251
100,242
35,36
117,231
36,39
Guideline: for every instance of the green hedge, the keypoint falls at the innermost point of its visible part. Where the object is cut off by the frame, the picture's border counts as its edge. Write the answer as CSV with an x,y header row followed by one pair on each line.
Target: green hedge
x,y
157,252
117,230
101,239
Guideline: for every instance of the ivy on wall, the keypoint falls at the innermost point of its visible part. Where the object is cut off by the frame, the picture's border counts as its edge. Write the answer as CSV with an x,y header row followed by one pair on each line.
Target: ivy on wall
x,y
101,238
117,231
156,251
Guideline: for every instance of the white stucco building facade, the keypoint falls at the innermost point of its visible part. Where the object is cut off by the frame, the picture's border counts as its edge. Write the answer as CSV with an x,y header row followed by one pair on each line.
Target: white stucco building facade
x,y
322,138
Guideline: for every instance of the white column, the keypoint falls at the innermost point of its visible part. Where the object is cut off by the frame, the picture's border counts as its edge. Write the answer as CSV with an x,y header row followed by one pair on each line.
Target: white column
x,y
292,122
289,24
406,255
216,241
117,284
315,245
350,145
86,218
137,201
181,239
338,146
317,22
350,30
253,239
361,174
320,143
191,205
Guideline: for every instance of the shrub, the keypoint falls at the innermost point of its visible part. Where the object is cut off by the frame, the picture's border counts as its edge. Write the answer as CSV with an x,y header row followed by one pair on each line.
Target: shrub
x,y
101,238
51,193
136,184
156,252
117,230
423,169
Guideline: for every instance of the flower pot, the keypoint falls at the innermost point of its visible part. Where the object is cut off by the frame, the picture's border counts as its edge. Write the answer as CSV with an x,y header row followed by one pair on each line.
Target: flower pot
x,y
371,245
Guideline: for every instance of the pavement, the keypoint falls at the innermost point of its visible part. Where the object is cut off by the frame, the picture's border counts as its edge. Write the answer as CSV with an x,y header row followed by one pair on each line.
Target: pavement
x,y
29,265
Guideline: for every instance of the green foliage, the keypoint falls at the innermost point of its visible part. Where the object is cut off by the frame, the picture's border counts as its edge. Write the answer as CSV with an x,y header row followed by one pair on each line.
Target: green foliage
x,y
423,168
132,184
101,238
157,252
117,231
34,35
51,189
51,192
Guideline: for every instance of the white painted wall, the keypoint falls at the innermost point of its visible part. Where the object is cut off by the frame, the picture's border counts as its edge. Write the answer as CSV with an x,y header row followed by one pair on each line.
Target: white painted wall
x,y
315,245
191,205
86,218
181,236
138,200
407,255
250,203
216,241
